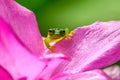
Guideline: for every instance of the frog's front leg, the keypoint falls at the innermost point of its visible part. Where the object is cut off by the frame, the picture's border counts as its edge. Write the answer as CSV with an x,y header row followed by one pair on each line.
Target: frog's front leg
x,y
69,36
47,43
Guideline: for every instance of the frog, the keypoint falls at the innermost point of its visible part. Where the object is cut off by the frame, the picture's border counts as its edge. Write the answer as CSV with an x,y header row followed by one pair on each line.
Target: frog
x,y
55,35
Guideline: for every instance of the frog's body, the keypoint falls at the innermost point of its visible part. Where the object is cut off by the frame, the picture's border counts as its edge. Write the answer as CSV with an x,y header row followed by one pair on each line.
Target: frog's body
x,y
56,35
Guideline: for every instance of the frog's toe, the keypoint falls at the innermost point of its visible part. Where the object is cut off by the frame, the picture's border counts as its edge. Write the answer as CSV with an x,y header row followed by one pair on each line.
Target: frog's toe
x,y
70,35
52,49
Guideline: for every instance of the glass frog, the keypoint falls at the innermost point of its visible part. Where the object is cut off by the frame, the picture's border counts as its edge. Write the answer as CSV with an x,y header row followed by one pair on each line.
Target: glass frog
x,y
55,35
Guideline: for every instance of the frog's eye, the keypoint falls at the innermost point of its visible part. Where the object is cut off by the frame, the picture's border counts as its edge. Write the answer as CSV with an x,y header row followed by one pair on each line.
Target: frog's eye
x,y
51,32
62,32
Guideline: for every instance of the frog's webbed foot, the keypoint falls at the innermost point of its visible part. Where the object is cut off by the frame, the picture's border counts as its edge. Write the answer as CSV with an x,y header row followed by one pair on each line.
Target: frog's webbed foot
x,y
69,36
52,49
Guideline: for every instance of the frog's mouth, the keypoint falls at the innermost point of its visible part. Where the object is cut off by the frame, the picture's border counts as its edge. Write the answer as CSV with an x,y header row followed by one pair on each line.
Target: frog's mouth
x,y
56,36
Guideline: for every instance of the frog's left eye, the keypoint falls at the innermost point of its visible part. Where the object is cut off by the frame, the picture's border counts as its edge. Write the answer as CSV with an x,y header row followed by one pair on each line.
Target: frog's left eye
x,y
62,32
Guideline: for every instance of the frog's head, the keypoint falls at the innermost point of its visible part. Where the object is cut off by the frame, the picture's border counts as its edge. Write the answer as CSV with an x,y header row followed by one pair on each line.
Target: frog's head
x,y
57,33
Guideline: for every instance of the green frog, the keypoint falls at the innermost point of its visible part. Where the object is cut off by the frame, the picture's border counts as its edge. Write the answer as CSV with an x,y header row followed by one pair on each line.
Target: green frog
x,y
55,35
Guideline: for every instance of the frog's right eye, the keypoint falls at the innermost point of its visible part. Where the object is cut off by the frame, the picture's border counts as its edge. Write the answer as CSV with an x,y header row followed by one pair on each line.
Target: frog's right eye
x,y
51,31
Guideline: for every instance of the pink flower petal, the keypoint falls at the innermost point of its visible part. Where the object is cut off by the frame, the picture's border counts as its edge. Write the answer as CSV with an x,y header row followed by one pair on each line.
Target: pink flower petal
x,y
24,24
88,75
19,62
113,72
93,46
4,75
51,64
15,58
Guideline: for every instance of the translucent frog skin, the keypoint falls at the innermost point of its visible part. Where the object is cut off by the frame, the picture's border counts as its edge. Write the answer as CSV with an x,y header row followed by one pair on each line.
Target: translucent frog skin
x,y
55,35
